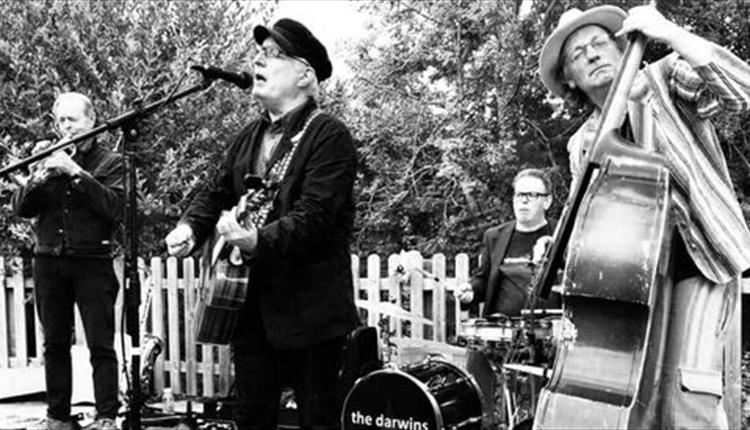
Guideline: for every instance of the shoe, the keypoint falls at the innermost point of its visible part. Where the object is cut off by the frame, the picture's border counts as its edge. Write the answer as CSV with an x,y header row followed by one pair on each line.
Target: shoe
x,y
102,424
50,423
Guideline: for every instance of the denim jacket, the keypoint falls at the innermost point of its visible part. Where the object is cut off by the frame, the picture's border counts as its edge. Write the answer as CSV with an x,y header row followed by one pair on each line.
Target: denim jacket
x,y
77,216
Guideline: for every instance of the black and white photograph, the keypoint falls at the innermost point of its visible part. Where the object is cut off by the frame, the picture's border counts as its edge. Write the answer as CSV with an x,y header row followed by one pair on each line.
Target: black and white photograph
x,y
374,214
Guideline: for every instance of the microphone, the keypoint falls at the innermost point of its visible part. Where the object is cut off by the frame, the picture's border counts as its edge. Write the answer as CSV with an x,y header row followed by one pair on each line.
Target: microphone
x,y
242,80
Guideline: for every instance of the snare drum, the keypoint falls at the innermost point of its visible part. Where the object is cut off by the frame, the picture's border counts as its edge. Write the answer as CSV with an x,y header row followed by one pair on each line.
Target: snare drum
x,y
430,395
480,331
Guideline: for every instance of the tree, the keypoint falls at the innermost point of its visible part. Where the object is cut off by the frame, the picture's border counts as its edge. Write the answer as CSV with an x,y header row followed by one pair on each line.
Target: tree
x,y
430,115
447,107
122,54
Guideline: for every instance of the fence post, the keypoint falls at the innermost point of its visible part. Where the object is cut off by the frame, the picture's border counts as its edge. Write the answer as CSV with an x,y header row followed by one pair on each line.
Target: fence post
x,y
461,276
438,297
373,288
19,314
417,297
188,276
207,354
732,398
225,364
394,293
157,321
173,320
354,261
4,353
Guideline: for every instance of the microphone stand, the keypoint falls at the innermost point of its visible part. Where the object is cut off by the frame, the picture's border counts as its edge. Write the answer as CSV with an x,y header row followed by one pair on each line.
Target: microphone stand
x,y
127,123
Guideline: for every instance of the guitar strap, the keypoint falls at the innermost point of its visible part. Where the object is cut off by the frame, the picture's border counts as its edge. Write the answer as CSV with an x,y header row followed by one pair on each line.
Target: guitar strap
x,y
277,172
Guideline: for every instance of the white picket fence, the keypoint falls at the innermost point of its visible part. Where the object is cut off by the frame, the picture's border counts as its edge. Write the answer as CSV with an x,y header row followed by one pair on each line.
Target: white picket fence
x,y
405,283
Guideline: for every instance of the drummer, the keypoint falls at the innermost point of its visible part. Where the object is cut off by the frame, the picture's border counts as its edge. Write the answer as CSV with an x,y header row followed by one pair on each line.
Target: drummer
x,y
503,279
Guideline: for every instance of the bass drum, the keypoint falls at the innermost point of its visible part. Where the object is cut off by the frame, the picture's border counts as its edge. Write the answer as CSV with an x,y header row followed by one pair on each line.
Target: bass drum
x,y
433,394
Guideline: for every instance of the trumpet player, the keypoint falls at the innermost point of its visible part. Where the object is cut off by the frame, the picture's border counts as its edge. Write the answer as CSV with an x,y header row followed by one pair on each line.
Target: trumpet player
x,y
77,199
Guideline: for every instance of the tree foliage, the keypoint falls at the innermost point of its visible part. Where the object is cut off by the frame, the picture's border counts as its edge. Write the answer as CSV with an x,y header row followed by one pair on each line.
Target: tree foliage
x,y
449,107
444,101
125,54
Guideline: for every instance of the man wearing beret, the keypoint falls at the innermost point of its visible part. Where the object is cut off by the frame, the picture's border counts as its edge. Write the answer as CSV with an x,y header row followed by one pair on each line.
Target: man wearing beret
x,y
683,91
300,303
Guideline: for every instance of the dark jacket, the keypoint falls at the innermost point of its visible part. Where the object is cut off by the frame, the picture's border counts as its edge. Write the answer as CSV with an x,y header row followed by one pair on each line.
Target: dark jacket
x,y
301,268
77,216
486,278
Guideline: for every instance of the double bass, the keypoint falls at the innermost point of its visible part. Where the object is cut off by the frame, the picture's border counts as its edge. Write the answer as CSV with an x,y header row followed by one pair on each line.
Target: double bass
x,y
618,235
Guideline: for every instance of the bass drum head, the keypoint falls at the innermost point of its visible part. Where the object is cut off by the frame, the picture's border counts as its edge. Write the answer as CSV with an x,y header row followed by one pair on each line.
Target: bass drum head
x,y
390,399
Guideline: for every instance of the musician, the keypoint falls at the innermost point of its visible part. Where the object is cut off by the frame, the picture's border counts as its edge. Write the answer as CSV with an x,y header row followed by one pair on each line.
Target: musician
x,y
300,304
77,201
503,277
684,90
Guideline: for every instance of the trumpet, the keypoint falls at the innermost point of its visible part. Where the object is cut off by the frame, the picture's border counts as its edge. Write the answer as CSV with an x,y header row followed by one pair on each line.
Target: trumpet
x,y
39,170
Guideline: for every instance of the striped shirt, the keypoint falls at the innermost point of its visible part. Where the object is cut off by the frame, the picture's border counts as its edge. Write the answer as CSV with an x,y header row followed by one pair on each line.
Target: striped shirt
x,y
683,99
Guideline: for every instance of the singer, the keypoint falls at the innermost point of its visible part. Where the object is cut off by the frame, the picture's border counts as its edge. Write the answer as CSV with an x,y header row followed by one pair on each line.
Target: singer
x,y
77,202
300,303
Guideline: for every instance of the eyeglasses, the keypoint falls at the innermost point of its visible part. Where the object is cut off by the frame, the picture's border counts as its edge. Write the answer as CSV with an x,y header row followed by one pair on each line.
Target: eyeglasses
x,y
597,44
531,195
272,51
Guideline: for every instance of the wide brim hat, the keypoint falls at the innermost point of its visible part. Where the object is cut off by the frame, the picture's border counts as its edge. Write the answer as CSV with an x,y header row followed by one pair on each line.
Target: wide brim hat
x,y
609,17
298,41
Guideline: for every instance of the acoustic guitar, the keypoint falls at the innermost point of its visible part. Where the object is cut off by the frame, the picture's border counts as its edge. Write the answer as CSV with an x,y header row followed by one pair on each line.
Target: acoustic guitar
x,y
224,275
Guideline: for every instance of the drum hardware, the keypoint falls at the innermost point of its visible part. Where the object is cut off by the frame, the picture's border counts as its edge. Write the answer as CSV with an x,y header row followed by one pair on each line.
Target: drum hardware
x,y
517,349
531,370
388,349
153,418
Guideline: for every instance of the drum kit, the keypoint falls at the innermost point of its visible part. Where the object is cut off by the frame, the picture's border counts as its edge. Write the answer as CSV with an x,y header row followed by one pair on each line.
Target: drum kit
x,y
520,351
493,384
490,380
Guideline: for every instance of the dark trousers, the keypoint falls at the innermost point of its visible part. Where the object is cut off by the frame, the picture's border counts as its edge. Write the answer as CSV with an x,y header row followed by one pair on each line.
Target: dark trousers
x,y
59,283
262,371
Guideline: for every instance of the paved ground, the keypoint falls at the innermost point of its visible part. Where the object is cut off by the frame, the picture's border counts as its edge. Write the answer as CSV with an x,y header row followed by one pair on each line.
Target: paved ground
x,y
22,413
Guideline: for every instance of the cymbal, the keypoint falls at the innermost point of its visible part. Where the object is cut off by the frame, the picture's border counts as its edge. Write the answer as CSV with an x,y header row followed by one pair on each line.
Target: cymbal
x,y
393,310
497,316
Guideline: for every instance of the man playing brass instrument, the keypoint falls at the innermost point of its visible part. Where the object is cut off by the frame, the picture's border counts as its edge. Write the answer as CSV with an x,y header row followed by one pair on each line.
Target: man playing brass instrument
x,y
77,201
